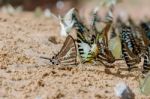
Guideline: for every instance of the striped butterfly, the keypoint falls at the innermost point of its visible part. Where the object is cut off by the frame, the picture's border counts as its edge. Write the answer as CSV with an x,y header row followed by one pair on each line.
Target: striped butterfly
x,y
144,47
80,27
141,39
86,42
104,53
128,56
67,54
129,50
129,39
97,48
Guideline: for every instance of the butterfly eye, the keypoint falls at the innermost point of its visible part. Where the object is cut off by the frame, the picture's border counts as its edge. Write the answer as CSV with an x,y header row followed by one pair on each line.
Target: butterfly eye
x,y
52,62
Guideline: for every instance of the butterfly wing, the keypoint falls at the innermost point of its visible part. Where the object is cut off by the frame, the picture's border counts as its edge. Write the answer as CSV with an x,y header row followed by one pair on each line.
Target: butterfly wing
x,y
115,47
130,50
102,39
67,22
129,57
129,39
145,86
68,53
105,31
68,18
83,46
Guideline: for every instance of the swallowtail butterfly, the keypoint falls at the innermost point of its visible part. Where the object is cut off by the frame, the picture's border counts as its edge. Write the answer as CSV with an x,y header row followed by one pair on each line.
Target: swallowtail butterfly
x,y
129,49
67,54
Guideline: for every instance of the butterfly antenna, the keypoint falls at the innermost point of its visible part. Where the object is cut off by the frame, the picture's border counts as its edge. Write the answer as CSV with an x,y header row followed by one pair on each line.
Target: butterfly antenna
x,y
53,52
46,58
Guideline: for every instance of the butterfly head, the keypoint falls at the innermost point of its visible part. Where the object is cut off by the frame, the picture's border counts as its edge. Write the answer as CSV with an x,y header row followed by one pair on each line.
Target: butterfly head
x,y
54,61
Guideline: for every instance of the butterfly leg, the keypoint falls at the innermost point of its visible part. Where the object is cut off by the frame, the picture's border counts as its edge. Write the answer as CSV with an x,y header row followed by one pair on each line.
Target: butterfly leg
x,y
131,64
94,62
146,64
104,63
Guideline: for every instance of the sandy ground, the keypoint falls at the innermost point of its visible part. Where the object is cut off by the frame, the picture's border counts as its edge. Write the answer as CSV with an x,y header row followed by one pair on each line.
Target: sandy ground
x,y
23,75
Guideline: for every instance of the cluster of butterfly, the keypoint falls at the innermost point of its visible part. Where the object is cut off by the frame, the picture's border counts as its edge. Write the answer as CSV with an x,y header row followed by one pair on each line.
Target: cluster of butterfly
x,y
128,41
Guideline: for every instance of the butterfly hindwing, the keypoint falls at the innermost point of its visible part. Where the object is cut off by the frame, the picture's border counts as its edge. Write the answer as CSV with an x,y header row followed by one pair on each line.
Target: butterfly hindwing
x,y
84,47
129,57
129,48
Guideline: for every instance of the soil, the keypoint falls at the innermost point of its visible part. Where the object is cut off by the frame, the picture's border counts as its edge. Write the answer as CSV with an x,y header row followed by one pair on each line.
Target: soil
x,y
24,75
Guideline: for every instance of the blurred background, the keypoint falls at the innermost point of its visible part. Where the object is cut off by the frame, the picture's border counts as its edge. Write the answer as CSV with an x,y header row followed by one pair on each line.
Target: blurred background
x,y
56,6
136,8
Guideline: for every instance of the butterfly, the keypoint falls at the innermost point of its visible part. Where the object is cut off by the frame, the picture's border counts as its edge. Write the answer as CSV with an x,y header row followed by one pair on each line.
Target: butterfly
x,y
145,85
97,47
128,56
145,53
72,20
142,41
129,39
86,46
67,54
105,31
94,48
129,48
104,52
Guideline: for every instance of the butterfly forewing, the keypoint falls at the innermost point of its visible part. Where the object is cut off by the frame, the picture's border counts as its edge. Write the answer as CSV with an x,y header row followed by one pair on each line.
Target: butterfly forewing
x,y
68,53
